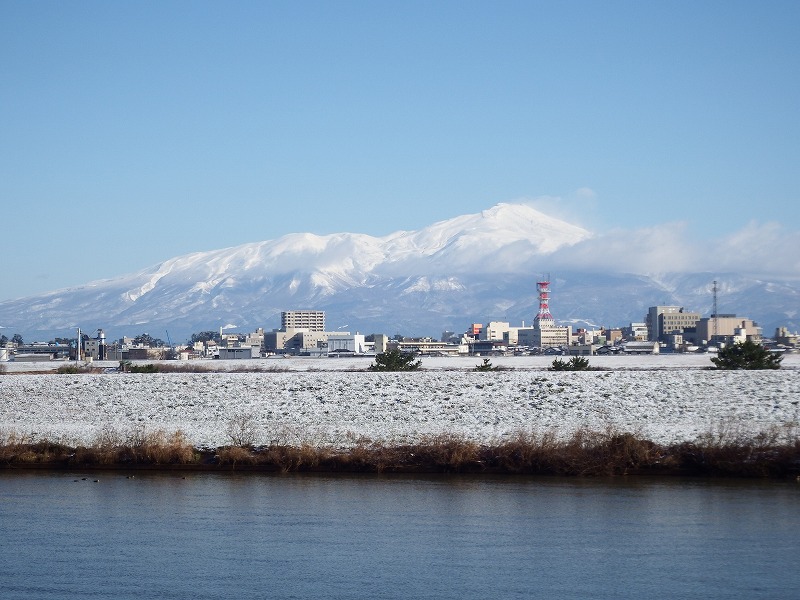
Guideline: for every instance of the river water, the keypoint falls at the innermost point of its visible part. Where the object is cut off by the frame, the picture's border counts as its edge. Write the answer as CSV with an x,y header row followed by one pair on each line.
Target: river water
x,y
264,536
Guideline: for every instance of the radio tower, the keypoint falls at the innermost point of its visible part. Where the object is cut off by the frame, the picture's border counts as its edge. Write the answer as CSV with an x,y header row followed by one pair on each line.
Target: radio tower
x,y
716,317
543,317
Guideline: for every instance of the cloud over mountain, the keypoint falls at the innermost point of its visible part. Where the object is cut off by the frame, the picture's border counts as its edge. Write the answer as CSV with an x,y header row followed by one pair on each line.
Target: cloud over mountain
x,y
473,267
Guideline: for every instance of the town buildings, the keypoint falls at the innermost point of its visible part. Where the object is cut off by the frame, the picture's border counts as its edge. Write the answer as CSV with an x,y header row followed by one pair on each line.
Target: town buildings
x,y
303,332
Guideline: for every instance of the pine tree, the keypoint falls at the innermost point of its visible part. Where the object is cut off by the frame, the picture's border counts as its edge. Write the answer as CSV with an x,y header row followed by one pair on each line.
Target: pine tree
x,y
747,355
576,363
395,360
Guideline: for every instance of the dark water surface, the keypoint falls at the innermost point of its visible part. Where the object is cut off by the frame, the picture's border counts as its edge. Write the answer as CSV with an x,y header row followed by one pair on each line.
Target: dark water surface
x,y
254,536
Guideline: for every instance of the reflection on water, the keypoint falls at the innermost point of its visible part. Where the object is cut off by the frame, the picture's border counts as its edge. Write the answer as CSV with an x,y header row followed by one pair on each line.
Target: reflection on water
x,y
253,536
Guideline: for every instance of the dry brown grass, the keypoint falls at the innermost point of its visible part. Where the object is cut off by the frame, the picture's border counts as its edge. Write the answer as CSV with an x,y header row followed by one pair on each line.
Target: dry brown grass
x,y
21,449
447,453
233,455
730,452
296,458
584,453
138,447
724,452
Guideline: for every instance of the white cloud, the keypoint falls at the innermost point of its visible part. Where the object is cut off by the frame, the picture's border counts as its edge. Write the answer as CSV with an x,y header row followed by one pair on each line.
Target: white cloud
x,y
766,249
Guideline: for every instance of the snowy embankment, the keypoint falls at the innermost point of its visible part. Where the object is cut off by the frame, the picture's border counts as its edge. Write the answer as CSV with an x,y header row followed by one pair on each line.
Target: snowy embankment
x,y
661,402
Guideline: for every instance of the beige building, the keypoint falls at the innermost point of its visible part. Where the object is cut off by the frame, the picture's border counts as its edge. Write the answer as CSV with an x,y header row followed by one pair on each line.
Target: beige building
x,y
494,331
546,336
313,320
297,340
499,331
726,326
664,320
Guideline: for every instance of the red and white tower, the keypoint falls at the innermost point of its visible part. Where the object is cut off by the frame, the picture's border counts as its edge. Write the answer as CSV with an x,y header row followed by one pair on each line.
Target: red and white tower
x,y
543,317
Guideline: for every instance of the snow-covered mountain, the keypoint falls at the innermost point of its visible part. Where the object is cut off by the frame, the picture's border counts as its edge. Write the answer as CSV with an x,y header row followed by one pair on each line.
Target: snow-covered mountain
x,y
472,268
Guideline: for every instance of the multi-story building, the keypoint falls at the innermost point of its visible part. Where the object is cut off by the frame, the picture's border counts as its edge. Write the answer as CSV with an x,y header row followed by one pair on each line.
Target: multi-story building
x,y
544,337
95,348
494,331
499,331
663,320
723,328
313,320
612,336
635,332
297,340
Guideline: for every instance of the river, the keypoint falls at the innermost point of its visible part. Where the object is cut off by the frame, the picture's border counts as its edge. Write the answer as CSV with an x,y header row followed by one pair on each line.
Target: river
x,y
211,535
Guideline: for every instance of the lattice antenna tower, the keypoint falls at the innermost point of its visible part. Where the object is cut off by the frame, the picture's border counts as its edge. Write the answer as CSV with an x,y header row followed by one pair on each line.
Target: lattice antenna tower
x,y
543,290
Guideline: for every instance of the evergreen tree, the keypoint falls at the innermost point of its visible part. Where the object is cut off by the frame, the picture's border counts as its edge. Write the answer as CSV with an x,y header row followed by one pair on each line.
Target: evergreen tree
x,y
747,355
576,363
395,360
145,339
205,336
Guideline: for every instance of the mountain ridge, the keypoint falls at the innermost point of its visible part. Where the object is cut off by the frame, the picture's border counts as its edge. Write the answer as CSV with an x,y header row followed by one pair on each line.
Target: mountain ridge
x,y
471,268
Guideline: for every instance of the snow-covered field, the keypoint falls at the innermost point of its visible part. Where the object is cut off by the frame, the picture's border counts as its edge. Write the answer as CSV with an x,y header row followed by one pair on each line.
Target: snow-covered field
x,y
326,401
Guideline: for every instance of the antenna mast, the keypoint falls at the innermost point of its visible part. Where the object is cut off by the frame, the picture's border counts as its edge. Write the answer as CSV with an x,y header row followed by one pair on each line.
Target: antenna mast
x,y
716,320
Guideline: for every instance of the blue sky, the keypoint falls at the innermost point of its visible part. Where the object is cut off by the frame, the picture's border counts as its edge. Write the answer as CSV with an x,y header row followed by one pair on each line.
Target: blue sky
x,y
132,132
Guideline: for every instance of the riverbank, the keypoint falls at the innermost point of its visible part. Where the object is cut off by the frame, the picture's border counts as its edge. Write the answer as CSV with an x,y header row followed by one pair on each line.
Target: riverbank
x,y
771,454
336,409
656,420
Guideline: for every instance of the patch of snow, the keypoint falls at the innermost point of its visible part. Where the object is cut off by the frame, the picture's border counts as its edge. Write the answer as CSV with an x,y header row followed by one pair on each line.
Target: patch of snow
x,y
664,398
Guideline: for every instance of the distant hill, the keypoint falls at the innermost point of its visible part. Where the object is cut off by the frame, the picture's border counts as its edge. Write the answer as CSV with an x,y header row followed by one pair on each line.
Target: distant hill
x,y
472,268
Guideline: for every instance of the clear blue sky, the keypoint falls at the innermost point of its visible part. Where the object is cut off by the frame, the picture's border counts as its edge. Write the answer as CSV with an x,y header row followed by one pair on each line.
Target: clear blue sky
x,y
132,132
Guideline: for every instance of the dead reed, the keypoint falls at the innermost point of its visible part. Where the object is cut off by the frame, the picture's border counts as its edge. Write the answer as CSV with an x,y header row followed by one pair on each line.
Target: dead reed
x,y
584,453
138,447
